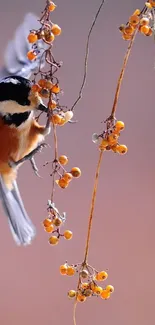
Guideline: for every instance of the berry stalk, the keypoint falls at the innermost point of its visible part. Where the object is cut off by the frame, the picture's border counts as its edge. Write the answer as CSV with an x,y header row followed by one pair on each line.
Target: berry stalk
x,y
120,79
92,207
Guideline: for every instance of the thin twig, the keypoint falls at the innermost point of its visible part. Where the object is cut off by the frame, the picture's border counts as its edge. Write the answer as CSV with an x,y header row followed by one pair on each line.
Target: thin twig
x,y
92,206
122,75
55,159
55,143
74,311
86,56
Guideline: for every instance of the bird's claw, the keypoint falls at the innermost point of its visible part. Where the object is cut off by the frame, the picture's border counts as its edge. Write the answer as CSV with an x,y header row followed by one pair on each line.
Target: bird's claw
x,y
12,163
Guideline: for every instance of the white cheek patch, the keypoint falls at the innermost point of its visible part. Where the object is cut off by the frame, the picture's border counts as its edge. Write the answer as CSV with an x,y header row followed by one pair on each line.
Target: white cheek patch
x,y
12,80
10,106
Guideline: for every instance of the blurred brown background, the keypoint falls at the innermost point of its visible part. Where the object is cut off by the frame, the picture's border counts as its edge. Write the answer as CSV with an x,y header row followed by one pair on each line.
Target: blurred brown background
x,y
123,235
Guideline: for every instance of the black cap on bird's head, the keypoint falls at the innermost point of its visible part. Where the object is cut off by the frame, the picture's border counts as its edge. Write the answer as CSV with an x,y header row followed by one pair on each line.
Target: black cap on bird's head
x,y
16,96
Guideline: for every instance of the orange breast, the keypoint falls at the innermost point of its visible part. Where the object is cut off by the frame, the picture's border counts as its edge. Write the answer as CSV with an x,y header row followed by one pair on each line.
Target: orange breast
x,y
15,143
9,141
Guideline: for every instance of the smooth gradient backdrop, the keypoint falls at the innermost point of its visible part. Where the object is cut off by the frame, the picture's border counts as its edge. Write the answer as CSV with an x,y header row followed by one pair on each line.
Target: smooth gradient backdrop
x,y
123,236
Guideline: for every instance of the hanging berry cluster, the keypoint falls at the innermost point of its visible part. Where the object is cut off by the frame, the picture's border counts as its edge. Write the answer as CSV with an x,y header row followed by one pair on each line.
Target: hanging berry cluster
x,y
142,21
46,85
109,138
53,224
88,282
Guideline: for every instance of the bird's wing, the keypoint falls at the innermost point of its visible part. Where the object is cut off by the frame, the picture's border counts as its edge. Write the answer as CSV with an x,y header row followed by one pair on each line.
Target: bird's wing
x,y
15,55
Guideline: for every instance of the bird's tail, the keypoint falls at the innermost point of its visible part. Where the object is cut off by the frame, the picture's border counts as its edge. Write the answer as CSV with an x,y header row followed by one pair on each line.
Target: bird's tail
x,y
22,229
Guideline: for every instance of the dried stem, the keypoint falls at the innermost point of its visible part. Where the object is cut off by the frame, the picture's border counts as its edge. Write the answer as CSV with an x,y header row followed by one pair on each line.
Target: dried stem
x,y
86,56
74,312
55,160
122,75
55,143
92,207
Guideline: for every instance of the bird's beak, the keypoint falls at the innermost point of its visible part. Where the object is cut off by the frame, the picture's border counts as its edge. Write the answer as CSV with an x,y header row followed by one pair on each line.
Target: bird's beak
x,y
42,108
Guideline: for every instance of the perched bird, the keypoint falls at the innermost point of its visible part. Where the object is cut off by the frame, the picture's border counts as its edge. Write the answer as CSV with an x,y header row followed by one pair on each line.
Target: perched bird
x,y
20,135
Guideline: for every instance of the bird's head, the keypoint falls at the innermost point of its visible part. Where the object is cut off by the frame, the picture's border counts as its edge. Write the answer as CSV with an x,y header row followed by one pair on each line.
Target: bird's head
x,y
16,96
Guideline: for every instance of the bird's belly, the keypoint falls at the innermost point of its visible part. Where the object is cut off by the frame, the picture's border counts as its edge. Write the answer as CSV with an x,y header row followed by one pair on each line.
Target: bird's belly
x,y
15,144
26,144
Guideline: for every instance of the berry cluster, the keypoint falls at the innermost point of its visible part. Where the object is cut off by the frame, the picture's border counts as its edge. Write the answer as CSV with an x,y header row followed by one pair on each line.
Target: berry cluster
x,y
142,21
66,177
46,33
47,89
109,138
88,278
53,223
46,85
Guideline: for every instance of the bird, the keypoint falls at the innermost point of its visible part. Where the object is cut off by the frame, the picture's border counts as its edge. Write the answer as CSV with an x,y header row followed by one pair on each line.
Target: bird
x,y
21,136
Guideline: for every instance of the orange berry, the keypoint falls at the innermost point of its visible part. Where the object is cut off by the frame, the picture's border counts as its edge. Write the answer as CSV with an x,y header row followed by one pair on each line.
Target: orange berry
x,y
104,144
98,290
105,294
35,88
150,32
68,234
55,119
62,121
52,104
144,29
49,229
53,240
52,6
92,286
63,269
134,20
47,222
62,183
68,177
50,37
63,160
129,30
119,126
48,84
32,38
114,148
55,89
76,172
80,297
152,2
71,293
101,276
57,222
144,21
70,271
148,5
85,285
126,37
112,139
42,83
31,55
137,12
116,131
110,288
56,30
122,149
